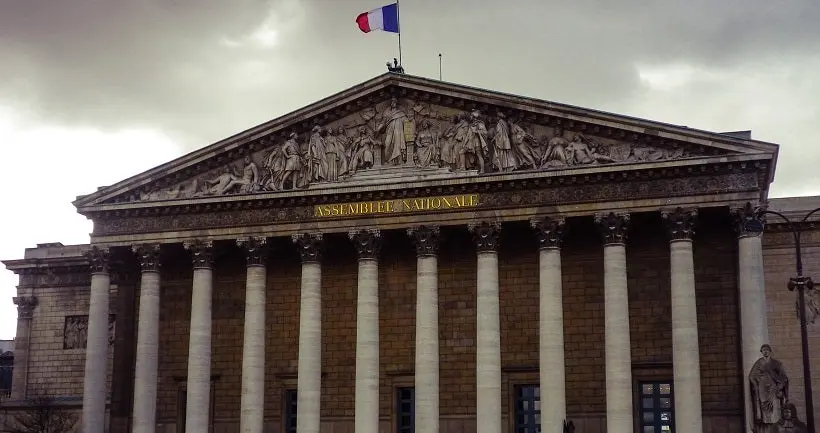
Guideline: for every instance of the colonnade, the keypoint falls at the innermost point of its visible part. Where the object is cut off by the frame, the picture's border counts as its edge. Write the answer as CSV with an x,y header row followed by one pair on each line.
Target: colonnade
x,y
549,232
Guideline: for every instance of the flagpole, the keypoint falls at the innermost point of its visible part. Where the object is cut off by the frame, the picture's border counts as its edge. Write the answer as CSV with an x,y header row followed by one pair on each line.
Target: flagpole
x,y
398,17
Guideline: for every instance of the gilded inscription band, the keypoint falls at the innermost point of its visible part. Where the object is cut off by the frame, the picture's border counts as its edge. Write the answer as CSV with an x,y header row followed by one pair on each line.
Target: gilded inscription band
x,y
421,204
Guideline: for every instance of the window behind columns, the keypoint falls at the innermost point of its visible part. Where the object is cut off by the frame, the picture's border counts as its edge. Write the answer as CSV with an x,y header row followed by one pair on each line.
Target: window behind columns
x,y
290,411
656,407
405,409
527,405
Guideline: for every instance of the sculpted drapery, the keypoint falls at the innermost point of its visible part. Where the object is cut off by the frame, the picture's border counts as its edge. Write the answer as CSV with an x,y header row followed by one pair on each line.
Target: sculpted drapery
x,y
770,391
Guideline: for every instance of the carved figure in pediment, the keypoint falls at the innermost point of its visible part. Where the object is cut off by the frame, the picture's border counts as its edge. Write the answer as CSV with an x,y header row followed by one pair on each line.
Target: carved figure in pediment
x,y
476,145
316,157
230,181
427,145
392,124
503,159
650,153
557,154
363,151
583,151
453,140
284,164
523,145
335,155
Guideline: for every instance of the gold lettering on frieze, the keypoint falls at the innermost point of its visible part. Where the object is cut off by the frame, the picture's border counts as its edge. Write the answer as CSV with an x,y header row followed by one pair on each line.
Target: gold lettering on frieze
x,y
405,205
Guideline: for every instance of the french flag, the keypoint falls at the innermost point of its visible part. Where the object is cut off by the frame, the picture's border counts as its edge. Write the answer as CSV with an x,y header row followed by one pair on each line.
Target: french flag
x,y
385,18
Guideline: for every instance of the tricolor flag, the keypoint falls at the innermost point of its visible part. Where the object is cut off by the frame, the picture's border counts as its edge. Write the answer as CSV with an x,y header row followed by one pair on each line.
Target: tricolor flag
x,y
384,18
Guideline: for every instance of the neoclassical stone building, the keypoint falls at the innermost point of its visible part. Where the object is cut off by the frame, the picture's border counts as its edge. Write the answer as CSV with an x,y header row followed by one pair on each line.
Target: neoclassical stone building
x,y
412,255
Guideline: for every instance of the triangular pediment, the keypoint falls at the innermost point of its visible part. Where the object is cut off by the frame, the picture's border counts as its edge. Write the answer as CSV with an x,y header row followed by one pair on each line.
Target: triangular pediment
x,y
397,128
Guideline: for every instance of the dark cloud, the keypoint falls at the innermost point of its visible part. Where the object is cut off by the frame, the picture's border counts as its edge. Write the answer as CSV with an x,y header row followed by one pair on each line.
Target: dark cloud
x,y
196,69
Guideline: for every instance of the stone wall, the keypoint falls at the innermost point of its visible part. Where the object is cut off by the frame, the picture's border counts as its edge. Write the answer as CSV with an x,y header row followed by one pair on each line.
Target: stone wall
x,y
784,326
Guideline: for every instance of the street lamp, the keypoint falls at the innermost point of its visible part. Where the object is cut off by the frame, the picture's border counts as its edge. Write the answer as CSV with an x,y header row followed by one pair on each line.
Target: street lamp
x,y
802,284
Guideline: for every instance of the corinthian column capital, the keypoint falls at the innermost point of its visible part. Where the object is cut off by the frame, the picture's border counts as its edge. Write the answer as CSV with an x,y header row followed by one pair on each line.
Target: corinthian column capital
x,y
549,231
748,220
309,245
256,250
425,238
485,234
202,253
680,223
98,259
148,255
613,227
367,243
25,306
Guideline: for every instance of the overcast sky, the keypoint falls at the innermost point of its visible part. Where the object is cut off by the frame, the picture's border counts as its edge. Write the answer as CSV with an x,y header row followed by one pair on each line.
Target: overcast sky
x,y
94,91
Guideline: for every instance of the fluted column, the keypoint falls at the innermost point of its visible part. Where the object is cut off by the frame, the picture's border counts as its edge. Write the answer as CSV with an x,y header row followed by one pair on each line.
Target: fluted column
x,y
488,328
754,329
309,374
145,369
22,345
197,411
252,399
425,239
96,351
367,243
618,357
551,368
685,349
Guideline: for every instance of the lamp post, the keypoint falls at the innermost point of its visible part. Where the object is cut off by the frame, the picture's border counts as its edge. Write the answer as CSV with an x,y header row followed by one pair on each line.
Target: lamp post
x,y
801,283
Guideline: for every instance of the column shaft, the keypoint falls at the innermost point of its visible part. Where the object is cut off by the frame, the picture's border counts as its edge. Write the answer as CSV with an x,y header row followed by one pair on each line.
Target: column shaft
x,y
427,353
753,321
252,400
145,370
685,347
96,355
197,410
22,345
367,332
309,386
551,340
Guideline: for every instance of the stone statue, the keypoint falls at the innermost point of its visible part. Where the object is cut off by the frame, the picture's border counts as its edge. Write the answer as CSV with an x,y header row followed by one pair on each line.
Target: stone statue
x,y
769,391
503,158
453,141
316,157
395,67
812,300
392,123
427,145
789,423
335,156
476,144
284,164
75,335
363,152
556,153
523,143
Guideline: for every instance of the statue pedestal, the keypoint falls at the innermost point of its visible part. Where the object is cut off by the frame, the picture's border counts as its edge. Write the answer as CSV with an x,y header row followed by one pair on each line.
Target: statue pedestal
x,y
392,174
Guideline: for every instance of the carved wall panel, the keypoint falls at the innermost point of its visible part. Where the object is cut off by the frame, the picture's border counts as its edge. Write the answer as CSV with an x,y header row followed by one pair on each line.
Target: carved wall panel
x,y
401,132
75,331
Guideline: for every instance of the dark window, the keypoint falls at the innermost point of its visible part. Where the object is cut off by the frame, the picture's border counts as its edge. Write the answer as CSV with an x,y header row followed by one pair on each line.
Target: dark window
x,y
657,407
405,410
290,411
527,409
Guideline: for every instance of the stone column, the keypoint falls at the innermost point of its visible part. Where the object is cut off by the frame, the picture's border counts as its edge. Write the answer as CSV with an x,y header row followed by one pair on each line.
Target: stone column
x,y
618,356
551,367
367,244
427,377
22,341
197,410
685,348
754,329
96,351
147,357
252,399
309,374
488,328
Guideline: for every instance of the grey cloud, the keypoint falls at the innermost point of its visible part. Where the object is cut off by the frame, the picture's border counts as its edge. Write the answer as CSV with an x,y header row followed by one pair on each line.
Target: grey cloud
x,y
166,64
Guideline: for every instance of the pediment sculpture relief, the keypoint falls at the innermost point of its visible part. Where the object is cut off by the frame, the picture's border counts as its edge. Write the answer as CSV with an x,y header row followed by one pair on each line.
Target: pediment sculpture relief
x,y
402,133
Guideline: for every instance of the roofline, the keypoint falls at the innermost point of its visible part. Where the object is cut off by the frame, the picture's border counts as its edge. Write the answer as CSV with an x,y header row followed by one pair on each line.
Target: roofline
x,y
390,78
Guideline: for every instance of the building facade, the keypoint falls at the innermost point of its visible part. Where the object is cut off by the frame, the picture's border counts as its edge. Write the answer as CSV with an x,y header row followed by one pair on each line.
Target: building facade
x,y
411,255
